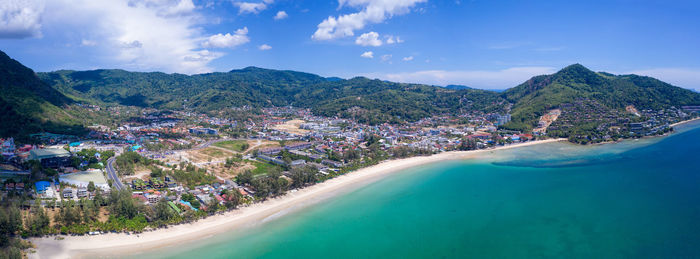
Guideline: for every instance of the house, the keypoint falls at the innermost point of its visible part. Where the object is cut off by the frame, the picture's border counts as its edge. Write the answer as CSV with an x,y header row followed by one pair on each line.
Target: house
x,y
67,193
138,184
332,163
51,157
157,183
271,159
82,192
8,147
270,151
299,162
153,198
42,186
297,146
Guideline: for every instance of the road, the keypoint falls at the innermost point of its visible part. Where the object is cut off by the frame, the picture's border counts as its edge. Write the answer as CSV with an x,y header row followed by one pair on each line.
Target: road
x,y
112,174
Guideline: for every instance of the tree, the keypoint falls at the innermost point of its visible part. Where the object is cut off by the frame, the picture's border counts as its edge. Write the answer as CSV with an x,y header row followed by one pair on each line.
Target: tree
x,y
245,178
91,186
301,176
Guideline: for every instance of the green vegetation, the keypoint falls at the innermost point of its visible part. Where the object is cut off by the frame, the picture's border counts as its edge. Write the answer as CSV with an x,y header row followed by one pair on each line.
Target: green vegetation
x,y
360,98
533,98
233,145
265,168
30,105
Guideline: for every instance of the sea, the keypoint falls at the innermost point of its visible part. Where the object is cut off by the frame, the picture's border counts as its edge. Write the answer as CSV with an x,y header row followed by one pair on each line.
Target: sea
x,y
631,199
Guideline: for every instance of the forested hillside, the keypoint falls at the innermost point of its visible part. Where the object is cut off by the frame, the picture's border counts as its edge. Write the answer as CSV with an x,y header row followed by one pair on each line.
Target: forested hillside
x,y
28,105
541,93
371,101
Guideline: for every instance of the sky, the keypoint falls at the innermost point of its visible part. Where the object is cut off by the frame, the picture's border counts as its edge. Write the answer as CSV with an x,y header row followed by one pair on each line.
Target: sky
x,y
488,44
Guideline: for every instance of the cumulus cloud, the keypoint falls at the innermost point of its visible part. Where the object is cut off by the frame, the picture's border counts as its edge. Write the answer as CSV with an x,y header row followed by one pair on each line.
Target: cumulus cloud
x,y
390,40
162,35
409,58
264,47
487,79
367,54
372,11
281,15
369,39
250,7
228,40
20,18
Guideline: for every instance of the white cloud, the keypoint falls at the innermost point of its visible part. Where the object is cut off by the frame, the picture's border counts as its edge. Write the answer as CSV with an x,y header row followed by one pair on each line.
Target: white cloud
x,y
390,40
248,7
386,57
281,15
228,40
20,18
409,58
264,47
143,35
367,54
369,39
372,11
487,79
88,43
683,77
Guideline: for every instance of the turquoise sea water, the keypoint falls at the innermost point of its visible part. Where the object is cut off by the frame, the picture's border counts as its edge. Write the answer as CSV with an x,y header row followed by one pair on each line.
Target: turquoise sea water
x,y
631,199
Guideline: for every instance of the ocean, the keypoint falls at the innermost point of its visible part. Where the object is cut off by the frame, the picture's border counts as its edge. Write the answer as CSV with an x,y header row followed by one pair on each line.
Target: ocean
x,y
636,198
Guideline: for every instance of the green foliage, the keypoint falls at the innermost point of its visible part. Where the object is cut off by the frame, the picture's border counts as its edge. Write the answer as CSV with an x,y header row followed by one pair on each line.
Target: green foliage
x,y
234,145
533,98
30,105
360,98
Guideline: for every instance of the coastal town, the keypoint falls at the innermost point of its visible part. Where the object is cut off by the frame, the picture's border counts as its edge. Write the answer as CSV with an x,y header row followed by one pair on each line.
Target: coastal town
x,y
181,166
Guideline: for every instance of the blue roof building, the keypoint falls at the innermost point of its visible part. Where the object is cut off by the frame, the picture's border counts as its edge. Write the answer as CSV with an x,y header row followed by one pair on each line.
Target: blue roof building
x,y
41,186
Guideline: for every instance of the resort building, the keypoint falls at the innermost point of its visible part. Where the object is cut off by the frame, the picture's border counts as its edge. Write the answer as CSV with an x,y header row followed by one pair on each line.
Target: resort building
x,y
51,157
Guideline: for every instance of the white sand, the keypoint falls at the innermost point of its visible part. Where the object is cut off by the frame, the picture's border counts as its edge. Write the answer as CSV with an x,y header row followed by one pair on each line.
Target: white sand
x,y
683,122
114,244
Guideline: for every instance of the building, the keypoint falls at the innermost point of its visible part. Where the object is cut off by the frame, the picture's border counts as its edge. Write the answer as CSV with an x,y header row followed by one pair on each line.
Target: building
x,y
203,131
271,159
8,147
297,146
502,119
637,127
67,193
299,162
51,157
42,186
82,192
332,163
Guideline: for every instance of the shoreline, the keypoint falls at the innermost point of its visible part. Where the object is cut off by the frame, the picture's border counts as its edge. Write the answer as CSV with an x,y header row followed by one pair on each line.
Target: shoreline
x,y
683,122
117,243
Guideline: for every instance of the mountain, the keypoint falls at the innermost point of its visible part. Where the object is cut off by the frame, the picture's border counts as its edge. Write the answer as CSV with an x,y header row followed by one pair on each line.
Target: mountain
x,y
576,82
369,101
28,105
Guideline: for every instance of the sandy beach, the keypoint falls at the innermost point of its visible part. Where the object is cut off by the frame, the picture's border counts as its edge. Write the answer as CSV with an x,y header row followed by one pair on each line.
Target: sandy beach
x,y
120,244
683,122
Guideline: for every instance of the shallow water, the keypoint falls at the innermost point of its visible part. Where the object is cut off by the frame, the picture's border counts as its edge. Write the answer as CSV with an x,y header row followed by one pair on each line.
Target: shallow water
x,y
637,198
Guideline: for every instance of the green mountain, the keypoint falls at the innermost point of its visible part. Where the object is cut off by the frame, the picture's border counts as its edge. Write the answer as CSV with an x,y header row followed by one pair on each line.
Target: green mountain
x,y
575,82
370,101
28,105
45,101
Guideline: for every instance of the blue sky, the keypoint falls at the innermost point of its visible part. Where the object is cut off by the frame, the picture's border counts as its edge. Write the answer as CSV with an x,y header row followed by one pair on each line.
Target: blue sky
x,y
484,44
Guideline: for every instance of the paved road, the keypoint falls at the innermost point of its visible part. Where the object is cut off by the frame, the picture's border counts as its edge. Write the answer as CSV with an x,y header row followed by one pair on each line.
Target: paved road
x,y
112,174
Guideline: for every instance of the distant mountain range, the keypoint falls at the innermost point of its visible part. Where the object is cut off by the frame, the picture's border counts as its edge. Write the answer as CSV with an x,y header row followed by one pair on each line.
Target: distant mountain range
x,y
38,101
